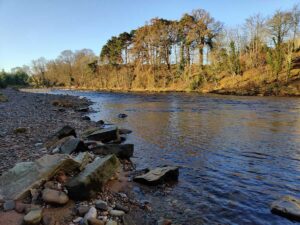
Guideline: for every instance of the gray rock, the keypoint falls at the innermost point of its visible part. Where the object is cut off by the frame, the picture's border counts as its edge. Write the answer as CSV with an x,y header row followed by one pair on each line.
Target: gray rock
x,y
9,205
93,177
28,175
287,206
123,151
72,145
101,205
92,213
116,212
63,132
68,145
33,217
54,197
104,135
82,210
159,175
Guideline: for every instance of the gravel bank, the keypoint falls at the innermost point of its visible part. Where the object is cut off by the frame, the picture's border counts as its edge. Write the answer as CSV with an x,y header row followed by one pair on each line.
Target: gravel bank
x,y
41,119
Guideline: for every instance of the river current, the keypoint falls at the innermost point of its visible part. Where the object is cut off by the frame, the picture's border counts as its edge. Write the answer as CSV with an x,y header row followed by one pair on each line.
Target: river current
x,y
236,154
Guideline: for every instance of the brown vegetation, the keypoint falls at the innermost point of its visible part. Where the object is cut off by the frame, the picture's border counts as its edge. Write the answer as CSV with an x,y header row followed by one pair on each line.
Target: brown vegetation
x,y
193,53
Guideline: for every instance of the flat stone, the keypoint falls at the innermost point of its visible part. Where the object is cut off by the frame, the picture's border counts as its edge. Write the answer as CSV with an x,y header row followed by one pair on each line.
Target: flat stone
x,y
158,175
33,217
116,212
287,206
123,151
101,205
28,175
72,145
9,205
92,178
104,135
54,197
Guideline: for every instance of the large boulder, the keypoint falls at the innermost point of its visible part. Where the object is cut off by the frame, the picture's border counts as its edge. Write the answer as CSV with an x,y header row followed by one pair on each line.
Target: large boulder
x,y
123,151
158,175
287,206
16,183
92,178
102,134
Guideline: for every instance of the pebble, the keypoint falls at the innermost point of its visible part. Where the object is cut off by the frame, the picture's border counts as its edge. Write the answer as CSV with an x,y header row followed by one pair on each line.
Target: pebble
x,y
116,212
82,210
101,205
92,213
33,217
94,221
53,196
9,205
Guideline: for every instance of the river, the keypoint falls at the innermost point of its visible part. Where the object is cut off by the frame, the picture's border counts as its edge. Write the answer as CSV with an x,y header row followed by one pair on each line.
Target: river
x,y
237,154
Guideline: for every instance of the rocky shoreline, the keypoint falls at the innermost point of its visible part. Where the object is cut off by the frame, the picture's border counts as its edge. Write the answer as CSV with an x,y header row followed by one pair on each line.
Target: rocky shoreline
x,y
58,167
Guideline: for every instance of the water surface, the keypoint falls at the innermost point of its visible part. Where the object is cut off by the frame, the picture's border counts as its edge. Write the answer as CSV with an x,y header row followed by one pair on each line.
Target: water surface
x,y
238,154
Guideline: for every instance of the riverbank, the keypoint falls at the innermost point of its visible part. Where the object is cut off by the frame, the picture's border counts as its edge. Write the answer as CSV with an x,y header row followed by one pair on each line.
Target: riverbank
x,y
27,122
251,83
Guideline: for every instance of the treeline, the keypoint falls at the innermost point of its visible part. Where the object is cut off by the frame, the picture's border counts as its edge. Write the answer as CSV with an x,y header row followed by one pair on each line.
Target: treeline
x,y
189,53
17,77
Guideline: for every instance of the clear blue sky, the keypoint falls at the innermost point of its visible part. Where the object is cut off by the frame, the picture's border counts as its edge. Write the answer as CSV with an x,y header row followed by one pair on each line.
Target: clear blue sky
x,y
30,29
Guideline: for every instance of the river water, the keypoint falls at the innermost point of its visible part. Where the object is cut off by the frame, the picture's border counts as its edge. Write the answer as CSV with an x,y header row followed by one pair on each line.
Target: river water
x,y
237,154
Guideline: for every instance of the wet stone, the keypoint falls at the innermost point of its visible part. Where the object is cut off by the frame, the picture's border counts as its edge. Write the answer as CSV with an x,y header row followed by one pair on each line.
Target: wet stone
x,y
101,205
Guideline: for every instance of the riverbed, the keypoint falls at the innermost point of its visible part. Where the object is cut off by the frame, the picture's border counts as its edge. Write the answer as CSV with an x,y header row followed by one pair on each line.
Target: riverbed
x,y
237,154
